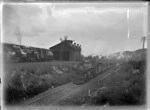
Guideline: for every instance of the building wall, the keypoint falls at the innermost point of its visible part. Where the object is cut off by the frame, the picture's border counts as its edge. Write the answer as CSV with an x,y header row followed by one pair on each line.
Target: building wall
x,y
63,49
75,55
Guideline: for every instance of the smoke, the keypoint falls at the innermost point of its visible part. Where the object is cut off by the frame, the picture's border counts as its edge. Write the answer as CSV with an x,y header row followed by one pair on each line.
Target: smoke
x,y
18,35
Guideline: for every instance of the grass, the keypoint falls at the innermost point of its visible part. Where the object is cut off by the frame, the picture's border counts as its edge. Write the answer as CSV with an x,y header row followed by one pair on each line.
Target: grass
x,y
121,88
25,80
124,87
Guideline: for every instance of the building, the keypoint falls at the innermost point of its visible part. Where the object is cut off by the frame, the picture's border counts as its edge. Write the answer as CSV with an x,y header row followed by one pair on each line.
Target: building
x,y
66,50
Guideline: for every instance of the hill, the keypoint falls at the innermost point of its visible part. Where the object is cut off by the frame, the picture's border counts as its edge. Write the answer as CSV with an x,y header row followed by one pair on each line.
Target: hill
x,y
128,55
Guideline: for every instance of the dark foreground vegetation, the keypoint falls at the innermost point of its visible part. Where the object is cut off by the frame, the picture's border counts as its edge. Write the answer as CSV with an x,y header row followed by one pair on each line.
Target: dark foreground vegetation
x,y
127,86
22,83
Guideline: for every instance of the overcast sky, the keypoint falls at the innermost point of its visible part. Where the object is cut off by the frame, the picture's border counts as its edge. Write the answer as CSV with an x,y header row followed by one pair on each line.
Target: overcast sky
x,y
100,28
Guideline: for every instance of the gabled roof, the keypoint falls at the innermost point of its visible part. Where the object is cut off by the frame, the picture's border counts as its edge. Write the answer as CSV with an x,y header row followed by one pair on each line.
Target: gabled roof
x,y
68,43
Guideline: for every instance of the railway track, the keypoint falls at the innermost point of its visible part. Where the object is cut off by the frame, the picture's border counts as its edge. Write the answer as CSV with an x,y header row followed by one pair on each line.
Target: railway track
x,y
47,93
54,96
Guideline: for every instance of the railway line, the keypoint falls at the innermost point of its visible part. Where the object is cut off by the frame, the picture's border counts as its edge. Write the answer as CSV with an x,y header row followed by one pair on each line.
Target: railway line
x,y
55,95
47,93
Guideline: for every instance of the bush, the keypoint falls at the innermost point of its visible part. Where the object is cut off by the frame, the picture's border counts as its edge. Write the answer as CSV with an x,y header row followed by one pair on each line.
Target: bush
x,y
22,83
127,88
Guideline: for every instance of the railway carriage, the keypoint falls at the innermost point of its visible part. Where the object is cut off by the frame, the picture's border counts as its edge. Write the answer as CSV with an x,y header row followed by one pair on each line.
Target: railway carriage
x,y
19,53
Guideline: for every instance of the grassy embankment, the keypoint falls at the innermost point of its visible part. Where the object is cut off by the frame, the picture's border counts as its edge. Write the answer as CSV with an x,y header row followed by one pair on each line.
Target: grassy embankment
x,y
25,80
123,87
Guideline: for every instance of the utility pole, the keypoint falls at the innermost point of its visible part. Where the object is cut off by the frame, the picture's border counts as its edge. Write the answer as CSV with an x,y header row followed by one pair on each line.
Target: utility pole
x,y
143,40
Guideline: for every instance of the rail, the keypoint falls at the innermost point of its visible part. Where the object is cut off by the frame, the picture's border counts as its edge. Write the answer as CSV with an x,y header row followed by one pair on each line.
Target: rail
x,y
53,96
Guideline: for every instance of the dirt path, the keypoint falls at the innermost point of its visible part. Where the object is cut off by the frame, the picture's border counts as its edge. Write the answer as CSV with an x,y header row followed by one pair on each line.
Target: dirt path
x,y
54,96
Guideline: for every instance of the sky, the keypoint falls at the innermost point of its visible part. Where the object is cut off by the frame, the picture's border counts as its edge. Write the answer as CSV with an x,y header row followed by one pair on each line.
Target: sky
x,y
100,28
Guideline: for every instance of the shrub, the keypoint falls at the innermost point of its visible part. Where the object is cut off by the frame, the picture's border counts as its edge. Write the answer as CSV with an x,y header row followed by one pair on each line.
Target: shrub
x,y
22,83
127,88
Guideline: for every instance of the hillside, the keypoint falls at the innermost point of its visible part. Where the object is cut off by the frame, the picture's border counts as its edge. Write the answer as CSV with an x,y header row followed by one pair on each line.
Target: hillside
x,y
122,87
128,55
30,79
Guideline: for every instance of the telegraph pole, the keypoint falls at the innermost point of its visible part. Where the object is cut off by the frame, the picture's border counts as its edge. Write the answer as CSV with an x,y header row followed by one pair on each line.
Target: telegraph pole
x,y
143,40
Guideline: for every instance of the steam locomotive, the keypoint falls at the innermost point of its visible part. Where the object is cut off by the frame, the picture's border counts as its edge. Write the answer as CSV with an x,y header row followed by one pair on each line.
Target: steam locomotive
x,y
19,53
